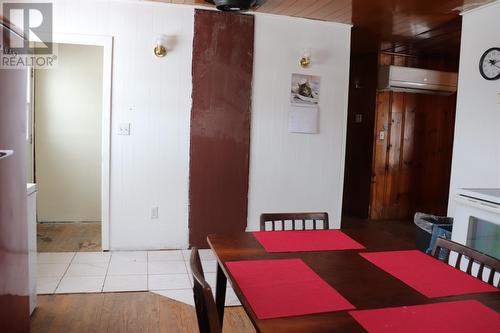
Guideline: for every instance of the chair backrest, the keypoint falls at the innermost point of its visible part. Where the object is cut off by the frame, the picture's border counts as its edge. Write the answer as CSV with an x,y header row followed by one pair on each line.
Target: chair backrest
x,y
293,219
206,310
481,259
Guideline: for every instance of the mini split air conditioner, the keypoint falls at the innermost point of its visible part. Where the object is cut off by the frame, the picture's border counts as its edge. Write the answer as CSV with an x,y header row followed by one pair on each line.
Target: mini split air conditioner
x,y
233,5
417,80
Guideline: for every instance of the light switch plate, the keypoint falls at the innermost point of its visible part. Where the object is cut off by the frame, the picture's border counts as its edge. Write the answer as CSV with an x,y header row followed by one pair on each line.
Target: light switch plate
x,y
124,129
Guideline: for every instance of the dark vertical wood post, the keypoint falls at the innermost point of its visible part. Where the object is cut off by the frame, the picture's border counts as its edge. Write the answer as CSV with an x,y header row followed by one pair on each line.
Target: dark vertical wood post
x,y
359,140
220,124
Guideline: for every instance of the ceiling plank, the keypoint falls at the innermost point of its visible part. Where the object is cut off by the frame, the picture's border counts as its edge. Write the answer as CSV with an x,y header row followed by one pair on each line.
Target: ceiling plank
x,y
407,22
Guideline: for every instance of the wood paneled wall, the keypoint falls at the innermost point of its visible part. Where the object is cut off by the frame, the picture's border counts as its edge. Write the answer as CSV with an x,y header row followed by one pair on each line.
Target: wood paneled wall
x,y
413,141
434,132
220,124
409,169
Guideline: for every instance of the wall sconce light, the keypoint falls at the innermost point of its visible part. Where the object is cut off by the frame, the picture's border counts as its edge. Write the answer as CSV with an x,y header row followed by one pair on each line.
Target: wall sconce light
x,y
305,60
160,48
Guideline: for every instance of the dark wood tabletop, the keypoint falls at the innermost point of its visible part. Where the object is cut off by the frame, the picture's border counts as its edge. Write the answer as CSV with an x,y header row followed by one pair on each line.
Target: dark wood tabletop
x,y
363,284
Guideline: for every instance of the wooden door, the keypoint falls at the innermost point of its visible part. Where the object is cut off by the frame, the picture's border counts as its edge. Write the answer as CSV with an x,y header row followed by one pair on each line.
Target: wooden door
x,y
220,124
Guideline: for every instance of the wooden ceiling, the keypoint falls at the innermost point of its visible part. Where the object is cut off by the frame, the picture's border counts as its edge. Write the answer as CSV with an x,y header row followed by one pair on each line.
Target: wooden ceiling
x,y
403,26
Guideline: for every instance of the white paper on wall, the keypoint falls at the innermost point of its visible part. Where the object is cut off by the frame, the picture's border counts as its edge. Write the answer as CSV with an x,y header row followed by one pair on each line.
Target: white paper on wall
x,y
303,119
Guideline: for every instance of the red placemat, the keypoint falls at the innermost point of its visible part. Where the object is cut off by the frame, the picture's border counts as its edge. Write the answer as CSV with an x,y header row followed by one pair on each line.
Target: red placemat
x,y
426,274
452,317
306,240
284,287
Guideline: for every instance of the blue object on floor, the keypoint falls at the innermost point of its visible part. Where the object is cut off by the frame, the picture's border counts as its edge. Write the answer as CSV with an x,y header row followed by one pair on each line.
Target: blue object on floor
x,y
443,231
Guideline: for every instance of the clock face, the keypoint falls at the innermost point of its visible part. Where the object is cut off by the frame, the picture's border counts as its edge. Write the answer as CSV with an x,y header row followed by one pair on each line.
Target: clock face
x,y
489,65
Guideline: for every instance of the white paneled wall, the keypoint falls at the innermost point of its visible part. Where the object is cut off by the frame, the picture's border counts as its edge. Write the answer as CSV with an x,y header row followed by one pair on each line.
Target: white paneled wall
x,y
476,149
289,171
149,167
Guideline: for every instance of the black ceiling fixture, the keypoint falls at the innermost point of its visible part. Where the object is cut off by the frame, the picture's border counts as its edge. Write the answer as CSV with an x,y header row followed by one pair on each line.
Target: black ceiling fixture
x,y
233,5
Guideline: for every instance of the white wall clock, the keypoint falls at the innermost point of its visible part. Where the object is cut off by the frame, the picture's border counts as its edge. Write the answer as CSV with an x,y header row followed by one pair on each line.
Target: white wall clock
x,y
489,65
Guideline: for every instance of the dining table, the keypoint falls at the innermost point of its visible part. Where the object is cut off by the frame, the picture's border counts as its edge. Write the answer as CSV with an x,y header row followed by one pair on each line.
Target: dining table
x,y
363,284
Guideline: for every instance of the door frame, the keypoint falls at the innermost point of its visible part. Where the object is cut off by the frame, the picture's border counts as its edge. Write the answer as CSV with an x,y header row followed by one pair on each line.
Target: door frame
x,y
107,44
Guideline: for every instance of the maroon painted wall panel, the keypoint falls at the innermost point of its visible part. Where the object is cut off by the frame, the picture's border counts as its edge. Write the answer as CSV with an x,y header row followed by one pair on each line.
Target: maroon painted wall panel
x,y
220,124
14,301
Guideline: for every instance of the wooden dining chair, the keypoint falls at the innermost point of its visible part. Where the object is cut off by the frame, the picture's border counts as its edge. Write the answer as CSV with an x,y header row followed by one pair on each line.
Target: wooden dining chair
x,y
206,310
293,219
483,260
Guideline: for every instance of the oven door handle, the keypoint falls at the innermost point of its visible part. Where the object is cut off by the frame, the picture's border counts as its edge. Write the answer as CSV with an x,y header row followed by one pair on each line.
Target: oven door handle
x,y
490,207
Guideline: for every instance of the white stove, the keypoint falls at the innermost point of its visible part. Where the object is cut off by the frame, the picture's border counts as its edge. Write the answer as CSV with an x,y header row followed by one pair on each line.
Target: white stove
x,y
477,219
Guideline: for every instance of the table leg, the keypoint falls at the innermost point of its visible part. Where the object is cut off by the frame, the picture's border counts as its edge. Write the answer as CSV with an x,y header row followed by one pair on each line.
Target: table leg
x,y
220,293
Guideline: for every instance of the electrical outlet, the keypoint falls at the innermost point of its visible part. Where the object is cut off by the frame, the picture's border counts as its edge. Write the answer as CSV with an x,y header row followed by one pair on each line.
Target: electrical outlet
x,y
154,213
124,129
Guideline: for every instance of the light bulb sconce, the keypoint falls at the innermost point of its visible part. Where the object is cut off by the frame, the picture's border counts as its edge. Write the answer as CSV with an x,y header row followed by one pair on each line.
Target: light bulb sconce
x,y
160,48
305,60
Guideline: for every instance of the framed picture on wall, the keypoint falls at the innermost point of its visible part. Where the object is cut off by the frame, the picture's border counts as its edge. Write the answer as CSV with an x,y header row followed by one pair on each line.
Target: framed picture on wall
x,y
305,90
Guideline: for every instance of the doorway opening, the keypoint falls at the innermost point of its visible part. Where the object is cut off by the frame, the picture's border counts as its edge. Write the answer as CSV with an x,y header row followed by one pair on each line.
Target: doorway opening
x,y
68,145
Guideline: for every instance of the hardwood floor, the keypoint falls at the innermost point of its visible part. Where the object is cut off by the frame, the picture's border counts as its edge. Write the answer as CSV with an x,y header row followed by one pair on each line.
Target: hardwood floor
x,y
124,312
403,230
69,237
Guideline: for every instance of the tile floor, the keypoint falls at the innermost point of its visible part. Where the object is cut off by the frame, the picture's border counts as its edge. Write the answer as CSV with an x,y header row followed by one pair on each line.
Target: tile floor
x,y
166,273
